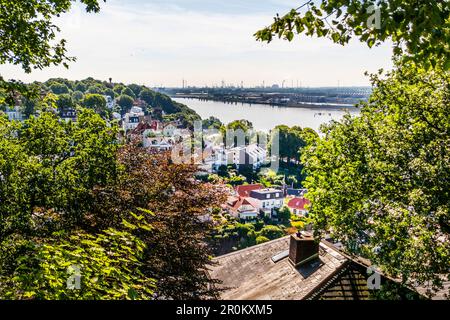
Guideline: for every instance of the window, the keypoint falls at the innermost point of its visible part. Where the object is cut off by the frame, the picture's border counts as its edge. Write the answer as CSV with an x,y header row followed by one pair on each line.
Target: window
x,y
267,196
277,195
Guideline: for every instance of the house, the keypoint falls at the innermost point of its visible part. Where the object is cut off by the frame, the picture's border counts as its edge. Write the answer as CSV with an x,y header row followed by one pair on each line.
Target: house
x,y
298,206
14,113
295,267
244,190
291,192
242,208
256,155
267,200
131,119
68,114
143,127
158,143
110,103
169,129
251,155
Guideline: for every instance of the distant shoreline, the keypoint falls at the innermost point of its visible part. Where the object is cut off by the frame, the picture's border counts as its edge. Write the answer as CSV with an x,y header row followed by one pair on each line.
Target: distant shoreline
x,y
304,105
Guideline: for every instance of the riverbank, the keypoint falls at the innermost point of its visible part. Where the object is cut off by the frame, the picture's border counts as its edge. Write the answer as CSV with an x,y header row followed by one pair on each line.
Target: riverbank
x,y
309,105
265,116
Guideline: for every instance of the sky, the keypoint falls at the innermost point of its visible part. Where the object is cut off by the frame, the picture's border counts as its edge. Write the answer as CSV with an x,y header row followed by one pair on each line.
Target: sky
x,y
205,42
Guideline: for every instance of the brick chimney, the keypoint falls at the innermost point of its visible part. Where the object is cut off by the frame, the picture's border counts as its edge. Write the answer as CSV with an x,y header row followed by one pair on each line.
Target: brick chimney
x,y
302,248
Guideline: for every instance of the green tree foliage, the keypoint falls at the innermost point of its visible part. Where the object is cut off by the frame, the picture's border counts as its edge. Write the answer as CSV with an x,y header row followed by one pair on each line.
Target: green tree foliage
x,y
146,95
419,30
65,101
77,96
125,102
108,265
177,255
135,88
29,35
128,92
261,239
212,123
97,103
379,182
59,88
271,232
243,125
291,142
284,214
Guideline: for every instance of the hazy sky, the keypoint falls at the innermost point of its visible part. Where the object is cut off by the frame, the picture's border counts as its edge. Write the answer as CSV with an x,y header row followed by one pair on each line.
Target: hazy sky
x,y
160,42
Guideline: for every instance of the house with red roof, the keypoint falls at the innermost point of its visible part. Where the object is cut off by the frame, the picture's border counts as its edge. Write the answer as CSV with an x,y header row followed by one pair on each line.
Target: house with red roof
x,y
242,208
244,190
298,206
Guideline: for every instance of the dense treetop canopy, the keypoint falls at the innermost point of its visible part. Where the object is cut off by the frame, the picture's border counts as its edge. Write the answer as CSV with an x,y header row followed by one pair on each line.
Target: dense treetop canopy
x,y
420,30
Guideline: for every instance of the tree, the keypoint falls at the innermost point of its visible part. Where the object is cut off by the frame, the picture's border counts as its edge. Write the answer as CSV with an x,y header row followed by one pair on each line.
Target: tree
x,y
135,88
128,92
65,101
379,182
109,92
59,88
271,232
284,214
291,142
146,95
97,103
212,123
418,30
177,254
77,96
29,36
261,239
125,102
108,265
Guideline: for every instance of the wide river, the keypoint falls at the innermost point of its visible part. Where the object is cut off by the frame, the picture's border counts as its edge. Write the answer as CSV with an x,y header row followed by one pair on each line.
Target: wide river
x,y
266,117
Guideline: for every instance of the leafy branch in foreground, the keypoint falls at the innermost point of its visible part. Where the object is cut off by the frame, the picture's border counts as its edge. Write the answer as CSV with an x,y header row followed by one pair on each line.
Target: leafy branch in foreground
x,y
29,34
108,266
379,183
419,29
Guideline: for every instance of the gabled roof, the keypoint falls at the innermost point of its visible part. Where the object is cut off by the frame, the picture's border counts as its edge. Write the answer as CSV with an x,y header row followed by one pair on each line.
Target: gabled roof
x,y
237,203
298,203
250,274
244,191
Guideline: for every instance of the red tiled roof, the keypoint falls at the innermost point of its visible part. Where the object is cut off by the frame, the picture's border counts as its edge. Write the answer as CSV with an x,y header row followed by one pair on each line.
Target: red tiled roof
x,y
244,191
141,127
236,203
298,203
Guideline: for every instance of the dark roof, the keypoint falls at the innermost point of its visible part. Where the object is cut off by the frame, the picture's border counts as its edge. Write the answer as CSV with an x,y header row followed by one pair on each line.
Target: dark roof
x,y
262,194
295,192
264,272
251,274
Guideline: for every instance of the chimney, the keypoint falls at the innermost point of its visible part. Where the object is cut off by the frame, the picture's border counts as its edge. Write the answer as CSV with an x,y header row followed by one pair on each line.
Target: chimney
x,y
303,248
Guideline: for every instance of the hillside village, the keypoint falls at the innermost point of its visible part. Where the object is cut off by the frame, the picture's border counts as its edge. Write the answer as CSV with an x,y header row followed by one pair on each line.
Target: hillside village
x,y
249,203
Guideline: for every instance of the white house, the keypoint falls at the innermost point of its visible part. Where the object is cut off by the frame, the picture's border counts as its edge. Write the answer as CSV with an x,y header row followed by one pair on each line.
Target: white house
x,y
244,155
132,118
267,200
110,103
14,113
158,143
169,130
242,208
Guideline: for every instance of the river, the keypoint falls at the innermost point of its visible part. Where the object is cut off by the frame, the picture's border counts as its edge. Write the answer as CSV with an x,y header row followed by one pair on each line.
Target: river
x,y
266,117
